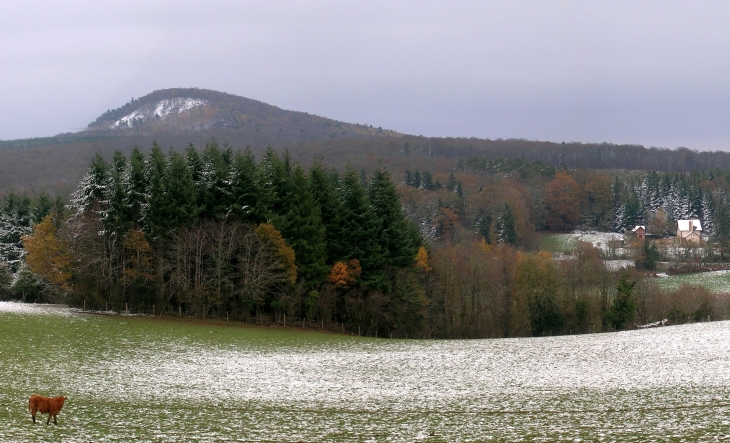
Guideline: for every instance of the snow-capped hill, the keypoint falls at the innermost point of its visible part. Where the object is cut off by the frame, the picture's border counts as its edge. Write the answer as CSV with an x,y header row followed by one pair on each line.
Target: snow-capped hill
x,y
185,110
160,110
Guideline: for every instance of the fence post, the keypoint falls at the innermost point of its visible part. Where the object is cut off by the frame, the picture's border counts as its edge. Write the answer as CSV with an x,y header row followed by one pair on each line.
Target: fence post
x,y
179,311
153,310
226,316
126,308
84,304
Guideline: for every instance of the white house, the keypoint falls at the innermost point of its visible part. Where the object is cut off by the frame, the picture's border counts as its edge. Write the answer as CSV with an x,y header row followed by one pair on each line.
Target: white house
x,y
689,231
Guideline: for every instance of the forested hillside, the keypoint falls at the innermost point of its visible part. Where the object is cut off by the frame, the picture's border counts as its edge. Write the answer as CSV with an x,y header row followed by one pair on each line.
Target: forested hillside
x,y
179,117
452,249
304,218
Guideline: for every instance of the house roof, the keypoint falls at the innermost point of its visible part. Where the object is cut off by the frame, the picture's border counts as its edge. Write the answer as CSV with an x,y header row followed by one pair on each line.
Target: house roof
x,y
691,234
639,227
684,225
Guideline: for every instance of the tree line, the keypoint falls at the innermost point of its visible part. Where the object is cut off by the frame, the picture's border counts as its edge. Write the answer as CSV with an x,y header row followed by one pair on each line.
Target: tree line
x,y
216,232
220,233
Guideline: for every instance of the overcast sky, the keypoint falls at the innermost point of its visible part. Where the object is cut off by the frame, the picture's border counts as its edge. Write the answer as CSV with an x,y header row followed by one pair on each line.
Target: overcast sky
x,y
652,73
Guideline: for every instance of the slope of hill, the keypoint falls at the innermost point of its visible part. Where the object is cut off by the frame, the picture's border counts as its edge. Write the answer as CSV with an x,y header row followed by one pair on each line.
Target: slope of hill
x,y
176,118
195,110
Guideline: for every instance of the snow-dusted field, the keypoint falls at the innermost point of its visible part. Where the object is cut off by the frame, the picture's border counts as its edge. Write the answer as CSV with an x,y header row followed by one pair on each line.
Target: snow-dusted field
x,y
601,240
149,380
715,281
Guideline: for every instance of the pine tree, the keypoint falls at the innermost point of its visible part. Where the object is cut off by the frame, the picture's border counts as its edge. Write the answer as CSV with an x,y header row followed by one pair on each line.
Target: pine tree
x,y
505,227
271,185
214,185
361,229
426,181
154,209
302,228
326,189
706,217
42,206
15,222
243,191
92,194
396,242
623,307
135,185
117,218
180,193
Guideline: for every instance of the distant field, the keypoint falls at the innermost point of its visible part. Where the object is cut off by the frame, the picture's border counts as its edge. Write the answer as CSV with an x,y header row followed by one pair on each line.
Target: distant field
x,y
568,241
138,379
716,281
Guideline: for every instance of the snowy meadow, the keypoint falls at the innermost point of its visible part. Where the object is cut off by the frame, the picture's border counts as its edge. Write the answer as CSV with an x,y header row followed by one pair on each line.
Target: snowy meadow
x,y
131,378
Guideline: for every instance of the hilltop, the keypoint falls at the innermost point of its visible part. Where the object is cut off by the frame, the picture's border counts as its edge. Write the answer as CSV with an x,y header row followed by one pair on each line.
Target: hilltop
x,y
183,110
178,117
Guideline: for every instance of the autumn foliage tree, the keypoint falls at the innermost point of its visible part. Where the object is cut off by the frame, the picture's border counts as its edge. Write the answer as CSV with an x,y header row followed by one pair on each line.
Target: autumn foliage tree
x,y
47,255
562,202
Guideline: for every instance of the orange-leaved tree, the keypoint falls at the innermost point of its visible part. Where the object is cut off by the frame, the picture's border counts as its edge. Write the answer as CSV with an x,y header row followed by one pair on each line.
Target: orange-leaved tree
x,y
266,232
422,259
562,202
344,274
47,255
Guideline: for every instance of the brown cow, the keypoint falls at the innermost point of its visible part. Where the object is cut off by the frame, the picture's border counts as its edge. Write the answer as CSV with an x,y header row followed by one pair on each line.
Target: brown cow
x,y
45,405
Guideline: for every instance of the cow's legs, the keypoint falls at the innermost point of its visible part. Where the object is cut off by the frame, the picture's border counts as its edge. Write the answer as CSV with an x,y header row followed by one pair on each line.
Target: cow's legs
x,y
32,414
54,419
48,422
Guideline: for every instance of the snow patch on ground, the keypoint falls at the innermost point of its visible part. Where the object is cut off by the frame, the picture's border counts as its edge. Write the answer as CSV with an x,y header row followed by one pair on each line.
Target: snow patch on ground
x,y
642,385
161,109
598,239
615,265
715,281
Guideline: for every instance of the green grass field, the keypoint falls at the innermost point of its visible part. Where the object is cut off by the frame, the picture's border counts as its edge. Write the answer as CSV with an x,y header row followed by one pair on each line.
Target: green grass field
x,y
715,281
140,379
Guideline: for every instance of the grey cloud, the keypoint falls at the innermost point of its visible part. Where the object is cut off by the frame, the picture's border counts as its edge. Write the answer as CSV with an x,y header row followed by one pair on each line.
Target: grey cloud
x,y
651,72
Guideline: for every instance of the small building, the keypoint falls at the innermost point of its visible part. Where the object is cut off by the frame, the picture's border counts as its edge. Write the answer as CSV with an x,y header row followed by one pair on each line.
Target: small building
x,y
640,232
689,231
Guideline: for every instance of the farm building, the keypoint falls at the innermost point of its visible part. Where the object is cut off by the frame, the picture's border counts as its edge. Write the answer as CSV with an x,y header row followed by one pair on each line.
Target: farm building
x,y
639,231
689,231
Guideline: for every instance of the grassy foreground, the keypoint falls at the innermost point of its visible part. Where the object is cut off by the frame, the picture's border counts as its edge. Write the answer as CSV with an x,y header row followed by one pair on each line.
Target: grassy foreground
x,y
139,379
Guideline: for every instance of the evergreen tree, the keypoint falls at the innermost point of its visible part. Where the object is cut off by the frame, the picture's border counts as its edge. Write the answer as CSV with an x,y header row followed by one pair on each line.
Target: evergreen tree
x,y
302,228
243,191
505,228
180,193
416,183
154,209
408,178
649,256
326,187
395,239
15,222
361,229
213,188
135,185
706,217
272,184
42,206
622,309
92,195
426,181
117,218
